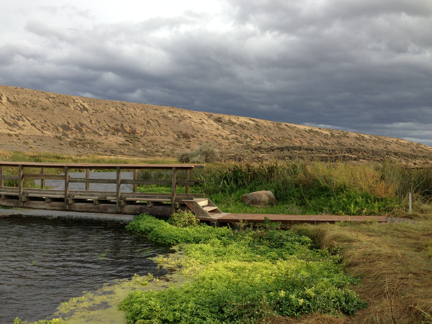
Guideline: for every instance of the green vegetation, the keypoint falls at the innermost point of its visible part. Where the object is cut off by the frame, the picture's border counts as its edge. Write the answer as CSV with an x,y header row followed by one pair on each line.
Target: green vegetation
x,y
241,276
314,188
183,219
319,187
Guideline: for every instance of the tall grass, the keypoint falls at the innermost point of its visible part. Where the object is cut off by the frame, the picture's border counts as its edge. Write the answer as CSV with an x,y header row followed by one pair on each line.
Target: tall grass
x,y
322,187
314,188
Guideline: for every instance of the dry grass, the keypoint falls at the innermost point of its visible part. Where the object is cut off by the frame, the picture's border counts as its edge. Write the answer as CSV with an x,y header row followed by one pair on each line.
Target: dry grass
x,y
394,262
366,178
309,319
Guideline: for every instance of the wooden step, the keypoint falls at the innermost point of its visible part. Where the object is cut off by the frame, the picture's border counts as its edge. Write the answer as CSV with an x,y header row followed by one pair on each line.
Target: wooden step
x,y
203,202
209,208
202,207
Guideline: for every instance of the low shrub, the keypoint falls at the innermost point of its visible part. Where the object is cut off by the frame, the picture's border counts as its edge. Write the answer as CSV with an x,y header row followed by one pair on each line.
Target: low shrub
x,y
204,154
183,219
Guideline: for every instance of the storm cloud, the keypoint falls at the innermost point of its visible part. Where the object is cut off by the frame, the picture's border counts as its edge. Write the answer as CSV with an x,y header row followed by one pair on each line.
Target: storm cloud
x,y
364,66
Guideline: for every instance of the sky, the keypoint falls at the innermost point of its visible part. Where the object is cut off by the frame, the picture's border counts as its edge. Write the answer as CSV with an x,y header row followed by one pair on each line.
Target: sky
x,y
363,66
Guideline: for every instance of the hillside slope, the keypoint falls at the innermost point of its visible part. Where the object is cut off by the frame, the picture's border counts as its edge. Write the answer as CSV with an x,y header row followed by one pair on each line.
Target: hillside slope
x,y
32,120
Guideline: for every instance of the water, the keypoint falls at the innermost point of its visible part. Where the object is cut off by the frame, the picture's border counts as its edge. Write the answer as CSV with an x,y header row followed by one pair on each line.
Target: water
x,y
46,262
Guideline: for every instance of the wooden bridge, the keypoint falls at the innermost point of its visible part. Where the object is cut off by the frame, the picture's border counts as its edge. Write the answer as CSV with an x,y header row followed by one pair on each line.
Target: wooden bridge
x,y
130,203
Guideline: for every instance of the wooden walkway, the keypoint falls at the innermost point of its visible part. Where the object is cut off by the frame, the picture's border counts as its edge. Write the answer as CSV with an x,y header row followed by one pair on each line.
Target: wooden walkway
x,y
206,210
285,219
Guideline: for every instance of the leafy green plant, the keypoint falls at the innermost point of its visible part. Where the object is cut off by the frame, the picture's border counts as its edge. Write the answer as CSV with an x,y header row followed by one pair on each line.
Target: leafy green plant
x,y
241,276
183,219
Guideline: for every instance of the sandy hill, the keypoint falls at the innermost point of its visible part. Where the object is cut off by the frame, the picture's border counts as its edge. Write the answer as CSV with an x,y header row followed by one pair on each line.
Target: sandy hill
x,y
33,120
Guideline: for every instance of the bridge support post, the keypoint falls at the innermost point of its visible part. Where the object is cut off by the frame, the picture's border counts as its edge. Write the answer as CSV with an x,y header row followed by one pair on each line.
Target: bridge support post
x,y
43,180
135,176
20,185
87,184
187,178
66,188
118,186
173,190
2,180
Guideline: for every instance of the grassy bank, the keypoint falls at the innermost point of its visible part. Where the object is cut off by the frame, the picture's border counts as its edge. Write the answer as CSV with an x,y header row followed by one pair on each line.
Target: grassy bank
x,y
394,261
278,276
241,276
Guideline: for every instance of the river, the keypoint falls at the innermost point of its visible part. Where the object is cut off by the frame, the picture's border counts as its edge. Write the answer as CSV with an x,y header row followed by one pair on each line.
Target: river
x,y
45,262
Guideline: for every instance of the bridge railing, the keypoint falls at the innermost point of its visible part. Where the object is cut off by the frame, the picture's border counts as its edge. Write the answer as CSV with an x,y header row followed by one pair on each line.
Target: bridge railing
x,y
69,196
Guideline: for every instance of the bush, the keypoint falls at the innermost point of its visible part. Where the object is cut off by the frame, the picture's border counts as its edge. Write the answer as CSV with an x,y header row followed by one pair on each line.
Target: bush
x,y
183,219
204,154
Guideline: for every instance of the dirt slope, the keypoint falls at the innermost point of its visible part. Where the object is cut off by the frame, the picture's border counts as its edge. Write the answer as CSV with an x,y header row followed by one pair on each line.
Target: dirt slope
x,y
33,120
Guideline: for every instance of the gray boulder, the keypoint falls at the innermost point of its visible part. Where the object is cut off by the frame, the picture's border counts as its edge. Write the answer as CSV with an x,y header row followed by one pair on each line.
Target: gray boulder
x,y
261,198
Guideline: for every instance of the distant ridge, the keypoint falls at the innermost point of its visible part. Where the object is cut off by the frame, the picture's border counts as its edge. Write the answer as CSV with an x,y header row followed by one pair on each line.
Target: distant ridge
x,y
32,120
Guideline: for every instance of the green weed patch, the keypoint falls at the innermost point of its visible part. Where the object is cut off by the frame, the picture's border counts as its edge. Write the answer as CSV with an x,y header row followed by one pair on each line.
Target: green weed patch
x,y
241,276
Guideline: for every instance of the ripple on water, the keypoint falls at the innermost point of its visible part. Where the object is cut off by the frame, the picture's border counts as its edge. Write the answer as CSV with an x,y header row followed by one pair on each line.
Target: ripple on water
x,y
46,262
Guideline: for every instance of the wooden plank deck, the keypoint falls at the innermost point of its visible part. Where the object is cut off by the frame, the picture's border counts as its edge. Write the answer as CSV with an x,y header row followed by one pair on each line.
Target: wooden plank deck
x,y
285,219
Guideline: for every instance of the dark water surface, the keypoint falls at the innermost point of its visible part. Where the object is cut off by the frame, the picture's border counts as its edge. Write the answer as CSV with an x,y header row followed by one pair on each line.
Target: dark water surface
x,y
46,262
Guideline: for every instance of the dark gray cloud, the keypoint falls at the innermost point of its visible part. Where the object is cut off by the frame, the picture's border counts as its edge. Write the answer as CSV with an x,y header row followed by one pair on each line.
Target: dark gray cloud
x,y
364,66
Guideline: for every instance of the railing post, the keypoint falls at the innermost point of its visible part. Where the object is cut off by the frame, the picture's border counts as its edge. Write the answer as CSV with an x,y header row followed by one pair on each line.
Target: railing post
x,y
2,180
410,202
43,180
118,184
173,189
135,176
187,178
66,187
87,184
20,184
